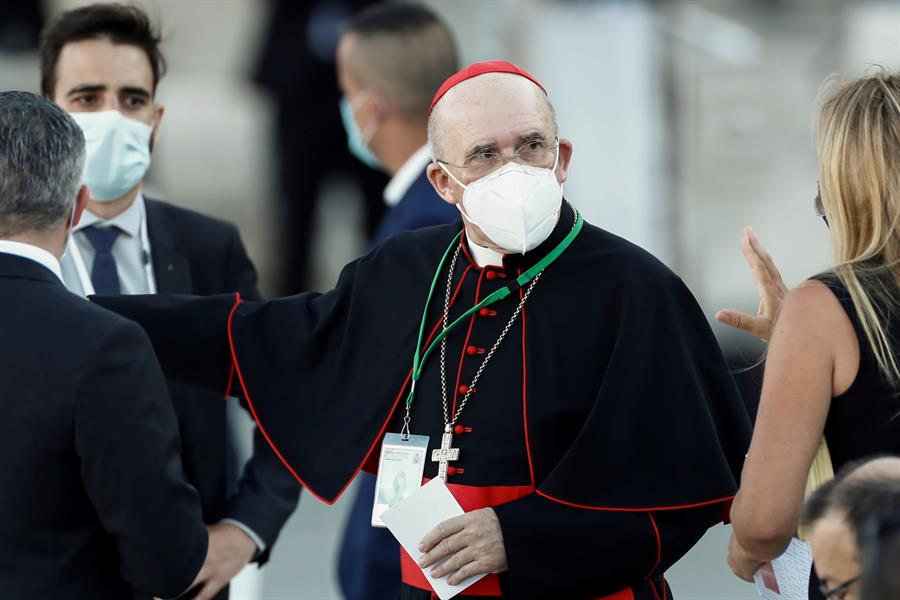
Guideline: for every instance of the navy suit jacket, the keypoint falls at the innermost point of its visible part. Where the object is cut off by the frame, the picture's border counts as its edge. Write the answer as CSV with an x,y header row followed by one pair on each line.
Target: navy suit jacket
x,y
93,498
419,207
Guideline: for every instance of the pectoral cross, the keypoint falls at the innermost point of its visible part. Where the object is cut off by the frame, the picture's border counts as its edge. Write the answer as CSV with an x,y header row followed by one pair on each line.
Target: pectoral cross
x,y
445,454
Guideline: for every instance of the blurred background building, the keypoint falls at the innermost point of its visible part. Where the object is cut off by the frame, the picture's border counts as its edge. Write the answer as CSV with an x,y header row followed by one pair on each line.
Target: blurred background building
x,y
690,119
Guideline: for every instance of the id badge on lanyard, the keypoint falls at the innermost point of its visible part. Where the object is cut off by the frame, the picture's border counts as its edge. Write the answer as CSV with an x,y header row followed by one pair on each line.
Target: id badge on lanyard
x,y
400,469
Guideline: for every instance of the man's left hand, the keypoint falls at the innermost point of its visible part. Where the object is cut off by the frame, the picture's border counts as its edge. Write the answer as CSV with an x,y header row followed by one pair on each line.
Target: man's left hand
x,y
230,549
742,564
472,544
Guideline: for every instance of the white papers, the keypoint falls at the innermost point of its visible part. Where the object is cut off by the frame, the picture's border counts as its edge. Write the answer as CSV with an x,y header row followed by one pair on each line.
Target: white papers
x,y
412,518
786,577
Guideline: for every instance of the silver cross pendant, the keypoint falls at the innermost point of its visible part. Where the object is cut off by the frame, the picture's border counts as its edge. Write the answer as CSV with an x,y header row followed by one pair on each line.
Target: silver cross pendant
x,y
445,453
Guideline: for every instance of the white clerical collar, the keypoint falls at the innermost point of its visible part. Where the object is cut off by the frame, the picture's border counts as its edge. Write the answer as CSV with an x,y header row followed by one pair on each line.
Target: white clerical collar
x,y
406,175
484,257
31,252
129,220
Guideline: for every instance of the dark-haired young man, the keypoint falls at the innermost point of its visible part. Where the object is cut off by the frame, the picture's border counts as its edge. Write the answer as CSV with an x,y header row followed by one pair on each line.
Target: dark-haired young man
x,y
102,63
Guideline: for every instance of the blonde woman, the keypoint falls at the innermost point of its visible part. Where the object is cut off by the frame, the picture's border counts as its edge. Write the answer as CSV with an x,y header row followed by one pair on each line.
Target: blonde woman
x,y
832,365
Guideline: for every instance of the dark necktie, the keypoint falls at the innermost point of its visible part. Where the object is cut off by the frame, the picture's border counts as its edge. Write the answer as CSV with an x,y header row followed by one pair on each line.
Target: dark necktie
x,y
103,275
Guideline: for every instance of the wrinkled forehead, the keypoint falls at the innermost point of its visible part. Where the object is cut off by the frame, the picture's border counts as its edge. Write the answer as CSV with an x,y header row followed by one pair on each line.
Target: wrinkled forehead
x,y
495,108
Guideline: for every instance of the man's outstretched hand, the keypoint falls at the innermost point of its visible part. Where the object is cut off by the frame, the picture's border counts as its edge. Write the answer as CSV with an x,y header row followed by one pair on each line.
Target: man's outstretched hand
x,y
769,286
230,549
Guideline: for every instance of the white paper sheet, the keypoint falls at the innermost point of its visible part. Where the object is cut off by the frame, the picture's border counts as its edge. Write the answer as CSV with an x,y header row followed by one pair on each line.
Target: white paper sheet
x,y
411,519
786,577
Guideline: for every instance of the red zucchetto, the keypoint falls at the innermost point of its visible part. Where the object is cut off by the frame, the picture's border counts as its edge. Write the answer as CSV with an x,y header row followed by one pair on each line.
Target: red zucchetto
x,y
481,68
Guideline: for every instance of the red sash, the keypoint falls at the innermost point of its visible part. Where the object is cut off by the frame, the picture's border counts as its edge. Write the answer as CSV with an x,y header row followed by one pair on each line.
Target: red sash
x,y
472,498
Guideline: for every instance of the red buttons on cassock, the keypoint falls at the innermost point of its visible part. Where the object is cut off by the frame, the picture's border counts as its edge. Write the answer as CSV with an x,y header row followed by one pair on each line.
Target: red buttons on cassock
x,y
451,471
473,350
461,429
486,312
491,275
463,389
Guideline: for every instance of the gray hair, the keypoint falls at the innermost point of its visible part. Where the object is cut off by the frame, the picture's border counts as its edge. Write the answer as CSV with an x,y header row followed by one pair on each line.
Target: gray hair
x,y
41,162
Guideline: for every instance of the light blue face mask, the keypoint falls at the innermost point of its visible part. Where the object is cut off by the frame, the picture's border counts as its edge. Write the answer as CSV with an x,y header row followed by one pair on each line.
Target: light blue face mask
x,y
117,153
355,143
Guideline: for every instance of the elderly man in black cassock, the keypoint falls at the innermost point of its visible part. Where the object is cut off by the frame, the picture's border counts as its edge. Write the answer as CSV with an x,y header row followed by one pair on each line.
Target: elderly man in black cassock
x,y
599,433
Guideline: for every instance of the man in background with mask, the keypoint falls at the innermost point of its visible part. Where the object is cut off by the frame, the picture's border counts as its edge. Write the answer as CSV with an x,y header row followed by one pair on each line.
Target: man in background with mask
x,y
561,381
102,64
391,59
94,498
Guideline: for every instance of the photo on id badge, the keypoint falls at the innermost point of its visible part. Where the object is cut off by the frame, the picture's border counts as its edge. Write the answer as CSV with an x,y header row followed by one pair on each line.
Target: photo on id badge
x,y
400,470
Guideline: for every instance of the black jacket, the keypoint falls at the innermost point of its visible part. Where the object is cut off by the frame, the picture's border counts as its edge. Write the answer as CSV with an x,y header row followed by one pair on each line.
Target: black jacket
x,y
93,497
196,254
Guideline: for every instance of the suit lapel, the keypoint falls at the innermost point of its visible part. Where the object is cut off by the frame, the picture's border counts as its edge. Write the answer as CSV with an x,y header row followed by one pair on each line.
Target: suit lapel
x,y
170,266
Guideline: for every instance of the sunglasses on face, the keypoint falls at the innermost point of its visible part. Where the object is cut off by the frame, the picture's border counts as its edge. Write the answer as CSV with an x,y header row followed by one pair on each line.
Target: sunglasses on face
x,y
818,205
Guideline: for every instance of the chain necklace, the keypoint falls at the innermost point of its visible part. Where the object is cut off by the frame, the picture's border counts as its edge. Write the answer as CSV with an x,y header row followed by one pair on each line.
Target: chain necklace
x,y
445,453
449,423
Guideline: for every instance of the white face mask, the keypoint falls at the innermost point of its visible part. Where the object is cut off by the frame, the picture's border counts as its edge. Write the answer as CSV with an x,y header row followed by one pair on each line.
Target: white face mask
x,y
516,206
117,153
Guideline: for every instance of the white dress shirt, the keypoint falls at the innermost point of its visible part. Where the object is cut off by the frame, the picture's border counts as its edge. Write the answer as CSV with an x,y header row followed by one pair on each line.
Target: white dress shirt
x,y
406,176
38,255
128,250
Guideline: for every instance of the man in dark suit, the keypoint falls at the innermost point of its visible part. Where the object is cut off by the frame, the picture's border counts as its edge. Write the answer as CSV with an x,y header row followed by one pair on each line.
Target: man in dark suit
x,y
391,59
94,498
102,64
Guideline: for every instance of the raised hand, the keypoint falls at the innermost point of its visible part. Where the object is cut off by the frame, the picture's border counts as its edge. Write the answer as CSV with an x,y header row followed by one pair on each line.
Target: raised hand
x,y
769,286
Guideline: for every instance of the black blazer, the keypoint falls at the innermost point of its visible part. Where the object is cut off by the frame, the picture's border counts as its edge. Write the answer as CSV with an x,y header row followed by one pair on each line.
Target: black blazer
x,y
196,254
93,498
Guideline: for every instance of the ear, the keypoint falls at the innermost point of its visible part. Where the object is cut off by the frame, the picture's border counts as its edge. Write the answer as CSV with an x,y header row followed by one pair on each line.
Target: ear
x,y
81,202
159,110
442,183
565,157
382,107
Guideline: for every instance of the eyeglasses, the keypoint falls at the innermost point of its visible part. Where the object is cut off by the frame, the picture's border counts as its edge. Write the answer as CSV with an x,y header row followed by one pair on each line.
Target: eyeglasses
x,y
838,591
535,153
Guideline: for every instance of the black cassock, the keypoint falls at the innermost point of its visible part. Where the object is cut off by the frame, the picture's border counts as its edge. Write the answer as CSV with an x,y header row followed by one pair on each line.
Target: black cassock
x,y
606,431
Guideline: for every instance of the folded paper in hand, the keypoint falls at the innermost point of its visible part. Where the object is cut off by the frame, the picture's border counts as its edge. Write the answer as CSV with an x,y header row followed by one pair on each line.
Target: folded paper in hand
x,y
414,517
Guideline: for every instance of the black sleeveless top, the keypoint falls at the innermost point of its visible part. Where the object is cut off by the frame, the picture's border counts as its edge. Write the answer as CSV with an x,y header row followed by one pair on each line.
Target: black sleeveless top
x,y
864,420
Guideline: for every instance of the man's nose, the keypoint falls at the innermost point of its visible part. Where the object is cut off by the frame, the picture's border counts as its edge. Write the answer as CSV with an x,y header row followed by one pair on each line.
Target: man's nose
x,y
111,102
